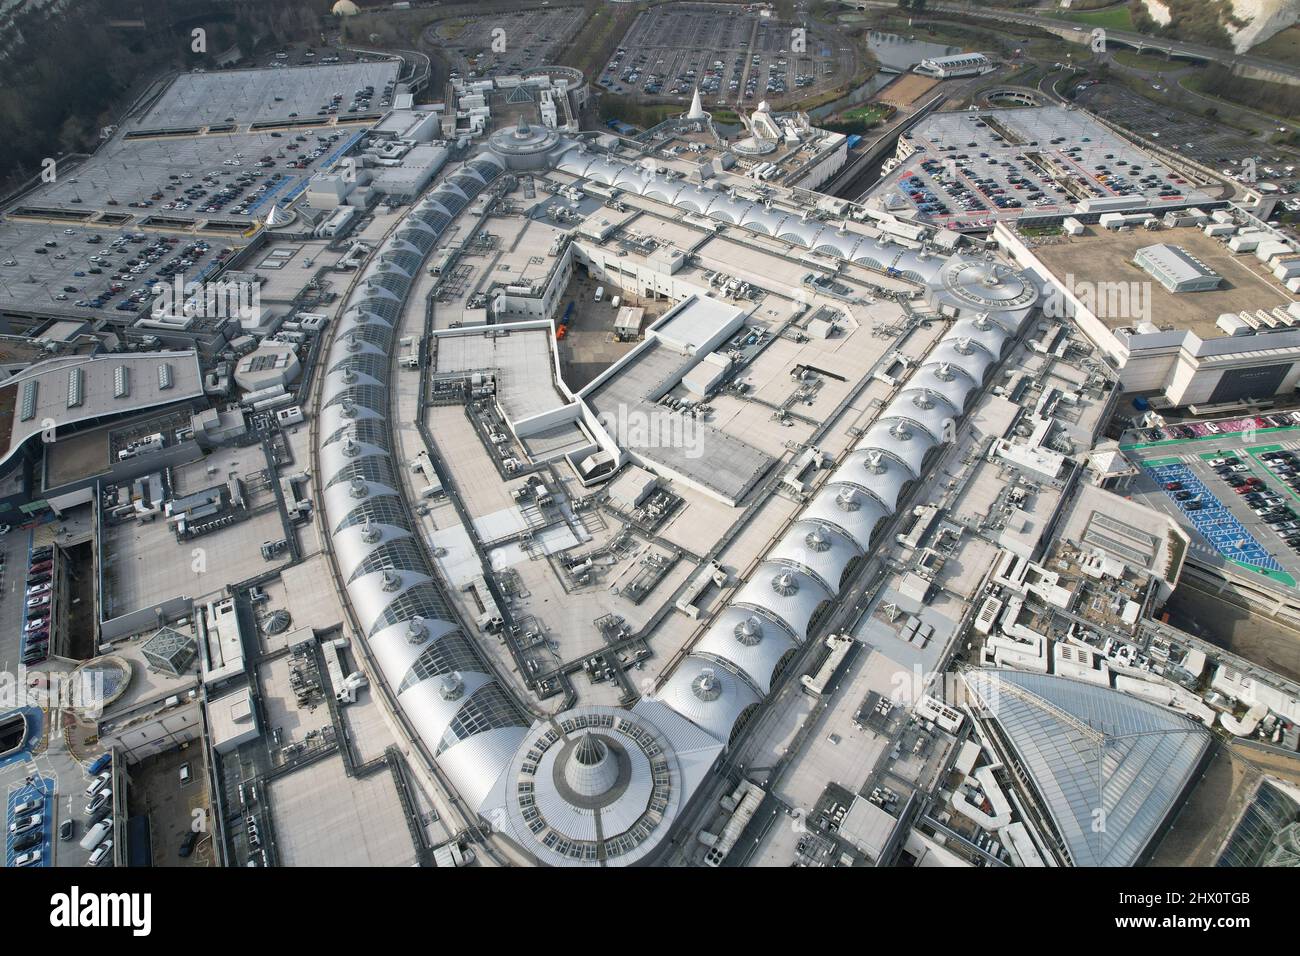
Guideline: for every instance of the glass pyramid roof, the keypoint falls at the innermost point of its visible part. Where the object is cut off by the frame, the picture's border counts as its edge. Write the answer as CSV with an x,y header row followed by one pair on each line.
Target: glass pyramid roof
x,y
1108,768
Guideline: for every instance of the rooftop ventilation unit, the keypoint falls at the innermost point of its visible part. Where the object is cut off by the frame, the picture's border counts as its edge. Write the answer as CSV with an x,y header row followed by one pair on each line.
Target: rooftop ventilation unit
x,y
452,687
164,376
121,382
707,686
785,584
749,631
819,539
416,630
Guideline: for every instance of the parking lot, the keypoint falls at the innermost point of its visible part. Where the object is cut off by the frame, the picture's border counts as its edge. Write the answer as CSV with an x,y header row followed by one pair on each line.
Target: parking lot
x,y
42,603
47,807
84,268
1202,140
26,588
734,57
972,169
532,38
28,804
1210,516
186,179
242,97
1240,491
14,548
67,817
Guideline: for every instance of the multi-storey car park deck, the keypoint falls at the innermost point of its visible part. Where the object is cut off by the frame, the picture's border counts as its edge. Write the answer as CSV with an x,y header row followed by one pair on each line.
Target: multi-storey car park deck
x,y
202,122
182,184
237,99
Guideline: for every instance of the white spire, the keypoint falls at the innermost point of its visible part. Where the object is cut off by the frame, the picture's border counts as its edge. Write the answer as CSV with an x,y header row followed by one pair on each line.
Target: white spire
x,y
697,108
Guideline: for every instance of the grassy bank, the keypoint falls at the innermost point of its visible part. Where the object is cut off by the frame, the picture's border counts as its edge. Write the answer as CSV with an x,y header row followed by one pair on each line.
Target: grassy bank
x,y
1111,18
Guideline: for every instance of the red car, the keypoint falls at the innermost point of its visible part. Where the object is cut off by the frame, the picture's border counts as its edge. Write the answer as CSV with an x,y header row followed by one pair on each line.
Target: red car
x,y
1173,486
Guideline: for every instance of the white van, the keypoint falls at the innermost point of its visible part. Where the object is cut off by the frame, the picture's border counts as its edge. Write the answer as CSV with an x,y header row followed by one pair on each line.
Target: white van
x,y
600,292
96,833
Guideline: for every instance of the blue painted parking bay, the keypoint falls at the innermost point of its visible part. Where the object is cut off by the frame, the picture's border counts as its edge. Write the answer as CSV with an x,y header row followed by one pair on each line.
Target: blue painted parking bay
x,y
39,787
1213,520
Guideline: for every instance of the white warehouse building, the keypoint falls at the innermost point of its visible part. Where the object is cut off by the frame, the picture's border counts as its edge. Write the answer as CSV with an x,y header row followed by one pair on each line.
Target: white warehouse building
x,y
947,67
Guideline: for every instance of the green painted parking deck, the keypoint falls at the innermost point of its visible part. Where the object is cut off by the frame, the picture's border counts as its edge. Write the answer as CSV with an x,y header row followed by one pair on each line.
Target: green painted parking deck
x,y
1279,576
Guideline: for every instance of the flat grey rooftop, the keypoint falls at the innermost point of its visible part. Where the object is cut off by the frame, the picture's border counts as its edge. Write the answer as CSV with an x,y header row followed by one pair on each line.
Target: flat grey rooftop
x,y
711,458
146,565
325,818
522,361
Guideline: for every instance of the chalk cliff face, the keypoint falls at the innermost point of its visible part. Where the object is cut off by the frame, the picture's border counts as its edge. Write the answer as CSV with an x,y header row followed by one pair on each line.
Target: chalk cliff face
x,y
1159,12
1252,21
1262,19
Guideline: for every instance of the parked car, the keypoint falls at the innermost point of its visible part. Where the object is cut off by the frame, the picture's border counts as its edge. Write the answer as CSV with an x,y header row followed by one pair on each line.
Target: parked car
x,y
98,784
101,853
100,801
101,764
23,824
